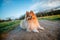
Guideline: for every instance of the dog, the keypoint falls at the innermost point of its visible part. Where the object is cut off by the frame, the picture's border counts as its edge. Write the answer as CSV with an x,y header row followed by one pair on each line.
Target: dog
x,y
30,23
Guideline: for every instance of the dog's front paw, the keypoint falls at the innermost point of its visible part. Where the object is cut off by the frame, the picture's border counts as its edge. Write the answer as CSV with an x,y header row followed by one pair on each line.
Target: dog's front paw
x,y
35,30
28,30
41,28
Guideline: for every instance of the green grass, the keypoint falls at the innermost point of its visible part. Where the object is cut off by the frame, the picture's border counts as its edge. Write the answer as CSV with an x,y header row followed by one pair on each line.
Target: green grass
x,y
8,26
53,17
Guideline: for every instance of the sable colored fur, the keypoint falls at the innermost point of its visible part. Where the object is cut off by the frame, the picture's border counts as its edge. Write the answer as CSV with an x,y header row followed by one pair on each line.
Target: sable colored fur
x,y
30,23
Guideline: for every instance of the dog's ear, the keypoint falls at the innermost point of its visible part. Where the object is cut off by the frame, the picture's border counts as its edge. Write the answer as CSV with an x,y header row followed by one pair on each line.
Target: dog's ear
x,y
27,12
31,12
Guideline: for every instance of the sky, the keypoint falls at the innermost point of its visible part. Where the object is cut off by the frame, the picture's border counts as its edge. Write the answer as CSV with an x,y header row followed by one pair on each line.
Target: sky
x,y
16,8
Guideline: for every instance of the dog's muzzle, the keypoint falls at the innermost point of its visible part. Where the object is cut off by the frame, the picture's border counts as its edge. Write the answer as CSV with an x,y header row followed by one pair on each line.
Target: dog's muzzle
x,y
29,18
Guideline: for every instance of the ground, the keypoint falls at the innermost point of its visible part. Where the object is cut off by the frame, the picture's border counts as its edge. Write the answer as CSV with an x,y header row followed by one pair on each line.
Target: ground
x,y
51,32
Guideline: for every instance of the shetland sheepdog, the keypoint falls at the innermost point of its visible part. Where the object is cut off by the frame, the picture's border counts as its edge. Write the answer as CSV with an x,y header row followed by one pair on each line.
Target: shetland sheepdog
x,y
30,23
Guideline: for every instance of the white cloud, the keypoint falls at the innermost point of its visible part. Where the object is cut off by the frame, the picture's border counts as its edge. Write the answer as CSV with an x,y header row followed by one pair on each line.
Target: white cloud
x,y
51,4
36,6
45,5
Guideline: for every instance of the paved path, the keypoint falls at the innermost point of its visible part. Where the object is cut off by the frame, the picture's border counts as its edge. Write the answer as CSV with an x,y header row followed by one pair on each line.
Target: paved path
x,y
51,32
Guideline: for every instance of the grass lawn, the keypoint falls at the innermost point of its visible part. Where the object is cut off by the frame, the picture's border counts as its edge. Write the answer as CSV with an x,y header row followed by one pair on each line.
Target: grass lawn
x,y
53,17
8,26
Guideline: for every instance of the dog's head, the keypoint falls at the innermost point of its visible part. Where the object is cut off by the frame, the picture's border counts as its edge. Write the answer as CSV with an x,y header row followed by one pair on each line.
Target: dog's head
x,y
30,15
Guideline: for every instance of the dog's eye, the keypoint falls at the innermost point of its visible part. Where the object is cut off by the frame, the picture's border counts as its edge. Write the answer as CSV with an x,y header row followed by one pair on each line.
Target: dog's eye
x,y
27,15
